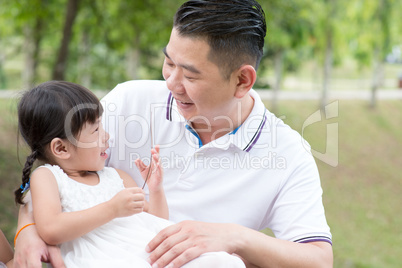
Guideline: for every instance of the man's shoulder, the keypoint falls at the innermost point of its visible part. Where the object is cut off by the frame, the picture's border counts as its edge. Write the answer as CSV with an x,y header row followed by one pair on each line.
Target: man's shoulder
x,y
279,137
142,84
137,89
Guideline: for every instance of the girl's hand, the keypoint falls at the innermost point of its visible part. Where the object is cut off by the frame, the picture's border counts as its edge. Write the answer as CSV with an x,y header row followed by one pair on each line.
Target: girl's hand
x,y
155,179
128,201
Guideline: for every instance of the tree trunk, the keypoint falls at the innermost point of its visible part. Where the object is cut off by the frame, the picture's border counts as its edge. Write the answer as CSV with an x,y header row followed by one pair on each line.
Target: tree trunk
x,y
327,69
133,63
328,61
378,73
380,52
84,61
278,62
133,58
28,48
61,62
33,38
3,79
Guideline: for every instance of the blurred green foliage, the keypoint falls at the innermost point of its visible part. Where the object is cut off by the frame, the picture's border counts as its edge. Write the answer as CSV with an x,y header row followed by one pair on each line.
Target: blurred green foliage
x,y
114,41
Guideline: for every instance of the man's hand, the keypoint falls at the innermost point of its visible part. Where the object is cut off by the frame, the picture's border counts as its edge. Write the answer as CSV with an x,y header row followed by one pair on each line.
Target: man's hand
x,y
31,251
182,242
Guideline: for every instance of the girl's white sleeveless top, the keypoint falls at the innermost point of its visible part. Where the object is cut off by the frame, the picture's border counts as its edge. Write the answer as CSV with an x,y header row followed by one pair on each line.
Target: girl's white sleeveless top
x,y
122,241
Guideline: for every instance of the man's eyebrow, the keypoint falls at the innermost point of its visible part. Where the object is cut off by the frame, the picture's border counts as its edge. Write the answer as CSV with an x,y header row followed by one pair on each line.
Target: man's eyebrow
x,y
164,52
188,67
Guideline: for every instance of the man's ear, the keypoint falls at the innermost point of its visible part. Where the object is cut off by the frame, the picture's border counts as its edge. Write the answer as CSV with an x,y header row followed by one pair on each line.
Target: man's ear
x,y
246,76
60,148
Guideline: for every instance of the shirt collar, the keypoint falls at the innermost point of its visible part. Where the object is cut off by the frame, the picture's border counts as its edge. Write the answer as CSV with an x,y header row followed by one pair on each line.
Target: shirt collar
x,y
243,137
250,131
172,112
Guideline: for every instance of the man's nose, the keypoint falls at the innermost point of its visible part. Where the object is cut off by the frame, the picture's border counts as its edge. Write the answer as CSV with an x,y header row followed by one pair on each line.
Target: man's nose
x,y
174,82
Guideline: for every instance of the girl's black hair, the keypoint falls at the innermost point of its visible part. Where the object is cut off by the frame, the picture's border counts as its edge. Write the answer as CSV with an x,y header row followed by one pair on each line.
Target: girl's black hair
x,y
54,109
234,29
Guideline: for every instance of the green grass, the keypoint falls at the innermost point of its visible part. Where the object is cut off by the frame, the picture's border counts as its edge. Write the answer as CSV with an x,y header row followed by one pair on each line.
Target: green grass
x,y
362,194
9,167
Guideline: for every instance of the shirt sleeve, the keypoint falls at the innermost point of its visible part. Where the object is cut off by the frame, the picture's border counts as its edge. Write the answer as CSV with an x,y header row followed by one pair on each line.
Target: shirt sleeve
x,y
298,213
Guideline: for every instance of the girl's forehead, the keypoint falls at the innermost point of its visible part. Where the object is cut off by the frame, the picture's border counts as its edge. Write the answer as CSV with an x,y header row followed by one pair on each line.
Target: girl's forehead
x,y
88,126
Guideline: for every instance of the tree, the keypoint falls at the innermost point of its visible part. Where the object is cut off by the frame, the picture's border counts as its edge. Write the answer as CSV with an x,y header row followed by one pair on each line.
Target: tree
x,y
61,62
328,61
144,28
329,38
378,21
119,40
28,20
288,28
33,34
106,42
382,46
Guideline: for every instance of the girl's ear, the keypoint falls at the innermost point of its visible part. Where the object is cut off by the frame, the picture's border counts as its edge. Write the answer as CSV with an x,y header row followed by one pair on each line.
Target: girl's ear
x,y
246,76
60,148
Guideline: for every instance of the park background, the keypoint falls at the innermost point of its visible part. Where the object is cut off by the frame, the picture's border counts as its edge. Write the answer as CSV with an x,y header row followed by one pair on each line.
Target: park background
x,y
318,54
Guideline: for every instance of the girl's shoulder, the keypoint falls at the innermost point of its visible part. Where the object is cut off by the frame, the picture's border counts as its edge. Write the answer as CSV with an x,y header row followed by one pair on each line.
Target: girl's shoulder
x,y
49,170
44,180
122,175
44,170
48,173
110,176
108,172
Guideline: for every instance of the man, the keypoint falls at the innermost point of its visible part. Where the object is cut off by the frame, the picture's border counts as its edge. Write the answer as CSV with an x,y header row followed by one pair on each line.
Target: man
x,y
231,167
6,253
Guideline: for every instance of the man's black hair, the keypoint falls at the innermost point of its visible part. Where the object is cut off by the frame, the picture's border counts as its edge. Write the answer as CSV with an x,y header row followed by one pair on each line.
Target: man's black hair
x,y
234,29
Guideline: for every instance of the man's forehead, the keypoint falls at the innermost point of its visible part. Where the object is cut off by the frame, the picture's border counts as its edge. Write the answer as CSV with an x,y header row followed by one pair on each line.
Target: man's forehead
x,y
185,65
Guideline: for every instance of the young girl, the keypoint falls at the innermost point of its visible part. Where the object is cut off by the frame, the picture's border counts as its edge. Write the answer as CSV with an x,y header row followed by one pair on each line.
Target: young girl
x,y
97,213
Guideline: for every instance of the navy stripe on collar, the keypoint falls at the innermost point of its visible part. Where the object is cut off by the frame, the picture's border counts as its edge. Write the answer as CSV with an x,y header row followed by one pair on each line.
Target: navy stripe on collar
x,y
195,134
249,146
169,107
257,134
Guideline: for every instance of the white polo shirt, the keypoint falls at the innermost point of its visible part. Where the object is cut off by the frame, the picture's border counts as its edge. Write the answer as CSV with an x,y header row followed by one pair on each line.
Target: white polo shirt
x,y
259,175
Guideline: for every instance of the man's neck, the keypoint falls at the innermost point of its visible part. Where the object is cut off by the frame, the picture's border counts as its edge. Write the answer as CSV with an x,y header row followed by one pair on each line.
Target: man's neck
x,y
219,128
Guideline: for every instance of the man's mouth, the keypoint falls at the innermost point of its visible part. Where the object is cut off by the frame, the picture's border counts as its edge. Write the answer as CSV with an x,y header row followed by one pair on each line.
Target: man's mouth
x,y
183,103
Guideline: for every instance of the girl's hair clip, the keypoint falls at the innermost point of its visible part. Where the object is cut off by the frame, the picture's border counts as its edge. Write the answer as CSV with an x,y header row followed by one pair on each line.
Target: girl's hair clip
x,y
25,188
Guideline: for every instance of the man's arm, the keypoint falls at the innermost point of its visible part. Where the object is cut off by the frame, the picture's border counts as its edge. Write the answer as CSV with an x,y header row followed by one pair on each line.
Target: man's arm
x,y
180,243
30,250
6,253
265,251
